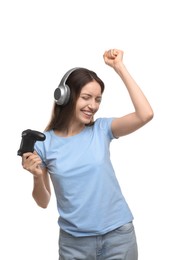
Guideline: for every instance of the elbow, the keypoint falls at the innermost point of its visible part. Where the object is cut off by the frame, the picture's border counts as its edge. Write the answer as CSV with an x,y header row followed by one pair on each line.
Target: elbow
x,y
42,203
43,206
148,117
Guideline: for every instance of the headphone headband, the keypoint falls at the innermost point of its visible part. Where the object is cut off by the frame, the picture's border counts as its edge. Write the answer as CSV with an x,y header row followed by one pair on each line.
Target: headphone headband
x,y
67,74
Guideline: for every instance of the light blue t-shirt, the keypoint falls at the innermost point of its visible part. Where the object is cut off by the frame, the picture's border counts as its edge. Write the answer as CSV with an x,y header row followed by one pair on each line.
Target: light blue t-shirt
x,y
89,198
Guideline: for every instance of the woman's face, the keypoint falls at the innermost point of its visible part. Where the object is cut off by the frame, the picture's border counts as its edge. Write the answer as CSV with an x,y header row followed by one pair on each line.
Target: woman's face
x,y
88,103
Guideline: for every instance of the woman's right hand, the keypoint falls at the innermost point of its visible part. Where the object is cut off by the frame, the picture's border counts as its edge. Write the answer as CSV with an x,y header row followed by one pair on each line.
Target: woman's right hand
x,y
32,163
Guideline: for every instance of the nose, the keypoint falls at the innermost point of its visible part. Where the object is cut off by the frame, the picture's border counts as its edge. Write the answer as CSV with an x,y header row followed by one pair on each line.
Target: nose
x,y
93,105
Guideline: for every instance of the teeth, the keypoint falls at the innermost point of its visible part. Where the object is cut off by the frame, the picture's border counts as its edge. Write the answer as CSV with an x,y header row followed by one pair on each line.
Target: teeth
x,y
88,113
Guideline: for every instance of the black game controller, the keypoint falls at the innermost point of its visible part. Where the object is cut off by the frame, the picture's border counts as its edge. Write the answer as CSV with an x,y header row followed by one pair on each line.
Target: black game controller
x,y
29,137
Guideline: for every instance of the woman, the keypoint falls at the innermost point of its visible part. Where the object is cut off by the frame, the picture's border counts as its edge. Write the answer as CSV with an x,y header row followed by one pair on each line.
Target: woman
x,y
94,218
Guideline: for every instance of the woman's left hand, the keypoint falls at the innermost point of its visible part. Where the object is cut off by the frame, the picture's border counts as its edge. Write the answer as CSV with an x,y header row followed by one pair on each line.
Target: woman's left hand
x,y
113,57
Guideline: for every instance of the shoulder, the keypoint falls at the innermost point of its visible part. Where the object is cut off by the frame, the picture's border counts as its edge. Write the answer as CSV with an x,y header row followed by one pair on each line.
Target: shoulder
x,y
104,124
40,146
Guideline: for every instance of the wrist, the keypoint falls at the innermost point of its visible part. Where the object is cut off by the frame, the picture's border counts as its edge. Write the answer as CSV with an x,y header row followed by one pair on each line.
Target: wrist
x,y
121,70
38,177
119,67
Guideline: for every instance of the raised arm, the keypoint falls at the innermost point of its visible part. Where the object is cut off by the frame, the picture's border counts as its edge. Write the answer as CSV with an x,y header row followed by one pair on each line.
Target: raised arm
x,y
143,112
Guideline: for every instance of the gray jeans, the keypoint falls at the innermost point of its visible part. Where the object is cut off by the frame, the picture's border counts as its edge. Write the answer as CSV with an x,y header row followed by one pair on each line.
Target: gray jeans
x,y
119,244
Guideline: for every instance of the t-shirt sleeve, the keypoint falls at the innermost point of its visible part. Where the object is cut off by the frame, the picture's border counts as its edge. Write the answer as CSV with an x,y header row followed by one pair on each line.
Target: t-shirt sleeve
x,y
105,125
39,148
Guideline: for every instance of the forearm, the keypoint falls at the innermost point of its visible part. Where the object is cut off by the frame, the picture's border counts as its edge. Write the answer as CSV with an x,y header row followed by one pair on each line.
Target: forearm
x,y
140,102
41,193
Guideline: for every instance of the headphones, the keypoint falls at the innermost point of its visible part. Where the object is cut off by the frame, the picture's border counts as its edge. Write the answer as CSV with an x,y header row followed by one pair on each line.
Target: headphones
x,y
62,92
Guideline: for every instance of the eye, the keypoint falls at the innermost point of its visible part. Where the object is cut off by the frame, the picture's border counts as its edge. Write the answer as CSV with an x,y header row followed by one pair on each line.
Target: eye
x,y
98,100
85,97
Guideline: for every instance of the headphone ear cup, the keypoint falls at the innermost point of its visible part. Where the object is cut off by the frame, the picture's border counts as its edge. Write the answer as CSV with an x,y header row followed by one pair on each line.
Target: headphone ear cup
x,y
62,95
62,92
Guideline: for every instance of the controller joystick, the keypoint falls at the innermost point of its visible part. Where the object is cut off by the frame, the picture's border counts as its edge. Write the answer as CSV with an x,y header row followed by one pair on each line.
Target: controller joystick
x,y
29,137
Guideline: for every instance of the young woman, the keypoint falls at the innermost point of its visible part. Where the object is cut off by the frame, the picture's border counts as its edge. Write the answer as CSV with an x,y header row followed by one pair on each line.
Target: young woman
x,y
94,218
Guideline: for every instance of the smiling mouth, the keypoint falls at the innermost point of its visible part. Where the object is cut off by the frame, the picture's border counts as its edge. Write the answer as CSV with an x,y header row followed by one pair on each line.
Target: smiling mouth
x,y
87,113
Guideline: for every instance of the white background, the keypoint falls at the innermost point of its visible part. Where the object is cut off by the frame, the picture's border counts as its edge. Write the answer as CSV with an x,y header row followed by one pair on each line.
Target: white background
x,y
40,41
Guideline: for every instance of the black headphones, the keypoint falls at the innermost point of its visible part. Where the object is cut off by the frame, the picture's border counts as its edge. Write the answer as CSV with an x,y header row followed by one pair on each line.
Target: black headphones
x,y
62,92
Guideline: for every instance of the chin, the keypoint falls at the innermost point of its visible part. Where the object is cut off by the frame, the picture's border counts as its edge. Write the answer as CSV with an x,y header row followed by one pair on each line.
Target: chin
x,y
89,122
86,121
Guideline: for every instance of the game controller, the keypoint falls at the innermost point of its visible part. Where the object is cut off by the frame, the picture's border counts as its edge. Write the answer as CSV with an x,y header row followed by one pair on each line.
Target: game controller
x,y
29,137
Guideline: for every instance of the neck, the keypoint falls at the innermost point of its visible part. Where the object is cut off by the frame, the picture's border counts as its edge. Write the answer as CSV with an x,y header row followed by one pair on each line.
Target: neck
x,y
70,131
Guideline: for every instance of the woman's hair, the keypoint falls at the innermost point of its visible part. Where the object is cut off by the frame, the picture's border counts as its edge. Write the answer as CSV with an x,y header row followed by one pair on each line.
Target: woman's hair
x,y
61,115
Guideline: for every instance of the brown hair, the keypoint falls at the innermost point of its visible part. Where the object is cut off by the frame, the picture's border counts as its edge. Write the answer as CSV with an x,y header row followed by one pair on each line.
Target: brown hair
x,y
61,115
